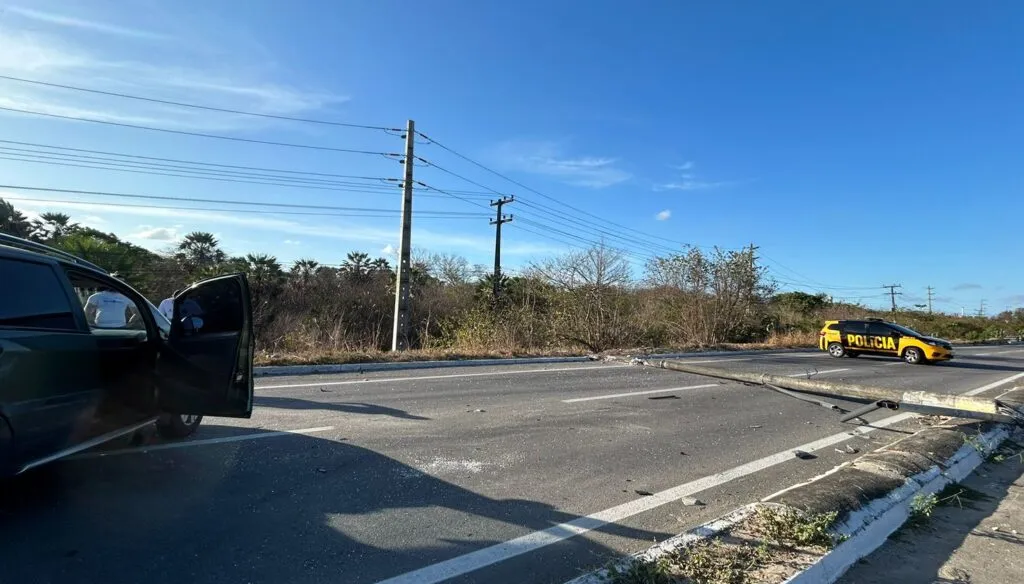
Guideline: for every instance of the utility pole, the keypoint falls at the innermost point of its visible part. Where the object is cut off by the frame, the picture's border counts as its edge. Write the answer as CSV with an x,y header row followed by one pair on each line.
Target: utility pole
x,y
400,331
930,290
893,293
981,308
498,220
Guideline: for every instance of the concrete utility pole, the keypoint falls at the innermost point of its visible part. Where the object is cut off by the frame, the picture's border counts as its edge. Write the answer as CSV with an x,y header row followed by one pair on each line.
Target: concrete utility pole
x,y
893,293
498,220
400,331
930,290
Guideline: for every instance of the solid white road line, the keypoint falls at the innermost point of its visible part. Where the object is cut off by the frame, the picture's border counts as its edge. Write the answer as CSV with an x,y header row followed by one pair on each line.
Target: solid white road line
x,y
473,561
813,373
995,384
496,553
632,393
186,444
448,376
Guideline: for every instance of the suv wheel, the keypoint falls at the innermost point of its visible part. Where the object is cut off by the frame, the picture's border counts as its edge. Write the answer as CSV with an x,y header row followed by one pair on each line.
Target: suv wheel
x,y
836,350
177,425
913,356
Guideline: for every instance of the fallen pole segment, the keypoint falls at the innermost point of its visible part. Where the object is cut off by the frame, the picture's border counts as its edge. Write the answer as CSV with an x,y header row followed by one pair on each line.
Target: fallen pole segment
x,y
961,406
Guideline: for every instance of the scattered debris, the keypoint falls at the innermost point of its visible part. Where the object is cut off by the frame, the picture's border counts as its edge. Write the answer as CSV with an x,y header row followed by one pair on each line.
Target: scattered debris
x,y
691,502
664,397
683,453
477,411
848,450
325,390
804,455
643,493
629,480
755,426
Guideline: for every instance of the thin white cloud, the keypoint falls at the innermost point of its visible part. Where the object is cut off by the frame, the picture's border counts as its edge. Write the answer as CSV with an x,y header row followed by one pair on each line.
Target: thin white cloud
x,y
388,250
684,167
292,242
156,233
664,215
549,159
84,24
692,185
224,82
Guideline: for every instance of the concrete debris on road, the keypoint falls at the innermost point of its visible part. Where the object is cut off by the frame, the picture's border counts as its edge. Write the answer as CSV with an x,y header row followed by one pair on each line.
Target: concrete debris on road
x,y
643,493
804,455
691,502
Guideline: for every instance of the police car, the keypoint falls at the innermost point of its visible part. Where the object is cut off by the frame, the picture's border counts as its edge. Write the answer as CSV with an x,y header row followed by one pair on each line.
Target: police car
x,y
874,336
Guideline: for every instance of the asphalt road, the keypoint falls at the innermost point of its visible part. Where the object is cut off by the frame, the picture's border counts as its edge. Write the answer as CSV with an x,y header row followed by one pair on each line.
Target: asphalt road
x,y
518,473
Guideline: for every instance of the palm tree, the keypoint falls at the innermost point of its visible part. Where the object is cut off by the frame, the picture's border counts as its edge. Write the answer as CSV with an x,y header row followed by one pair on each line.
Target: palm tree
x,y
304,269
54,226
356,265
198,251
263,268
380,265
13,221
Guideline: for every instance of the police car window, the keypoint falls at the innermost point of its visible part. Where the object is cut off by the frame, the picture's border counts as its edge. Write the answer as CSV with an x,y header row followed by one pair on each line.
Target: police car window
x,y
38,300
106,308
879,329
855,327
906,330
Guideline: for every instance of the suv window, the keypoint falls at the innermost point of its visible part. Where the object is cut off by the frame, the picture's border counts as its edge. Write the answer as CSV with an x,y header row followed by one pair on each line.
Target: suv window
x,y
855,327
38,300
834,327
878,329
106,308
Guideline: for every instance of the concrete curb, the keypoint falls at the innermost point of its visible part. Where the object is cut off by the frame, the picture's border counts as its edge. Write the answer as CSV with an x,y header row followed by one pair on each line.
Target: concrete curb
x,y
273,370
872,494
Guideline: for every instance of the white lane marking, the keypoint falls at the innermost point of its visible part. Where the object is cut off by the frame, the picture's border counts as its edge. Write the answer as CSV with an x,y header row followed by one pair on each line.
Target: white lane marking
x,y
447,376
981,354
222,440
717,360
472,561
813,373
995,384
632,393
896,363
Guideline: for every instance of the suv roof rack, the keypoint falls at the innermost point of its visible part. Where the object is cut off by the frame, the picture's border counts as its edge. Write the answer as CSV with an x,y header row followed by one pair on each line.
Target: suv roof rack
x,y
34,246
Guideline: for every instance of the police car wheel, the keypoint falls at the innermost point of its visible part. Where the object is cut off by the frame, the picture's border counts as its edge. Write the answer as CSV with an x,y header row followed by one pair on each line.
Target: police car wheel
x,y
836,350
913,356
174,426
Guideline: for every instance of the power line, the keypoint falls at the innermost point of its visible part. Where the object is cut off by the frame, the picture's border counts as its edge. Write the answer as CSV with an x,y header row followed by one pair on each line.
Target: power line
x,y
368,189
197,106
199,134
356,212
532,190
218,201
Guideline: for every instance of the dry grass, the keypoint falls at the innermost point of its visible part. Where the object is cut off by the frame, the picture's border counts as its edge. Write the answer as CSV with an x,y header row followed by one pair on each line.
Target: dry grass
x,y
311,357
504,351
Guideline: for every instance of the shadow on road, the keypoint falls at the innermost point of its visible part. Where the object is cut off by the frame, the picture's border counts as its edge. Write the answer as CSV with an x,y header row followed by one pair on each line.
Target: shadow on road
x,y
294,403
293,509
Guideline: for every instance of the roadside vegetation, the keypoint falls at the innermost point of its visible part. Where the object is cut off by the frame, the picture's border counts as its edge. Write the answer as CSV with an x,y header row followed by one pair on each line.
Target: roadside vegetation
x,y
587,301
766,548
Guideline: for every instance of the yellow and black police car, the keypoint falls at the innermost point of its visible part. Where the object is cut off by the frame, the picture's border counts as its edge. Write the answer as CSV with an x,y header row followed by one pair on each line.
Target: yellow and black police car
x,y
874,336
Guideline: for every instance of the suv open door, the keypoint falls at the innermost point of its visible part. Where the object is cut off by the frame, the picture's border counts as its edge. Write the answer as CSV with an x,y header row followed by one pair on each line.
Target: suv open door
x,y
205,365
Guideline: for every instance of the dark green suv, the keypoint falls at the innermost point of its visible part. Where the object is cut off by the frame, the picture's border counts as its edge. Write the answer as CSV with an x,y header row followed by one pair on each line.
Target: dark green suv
x,y
85,358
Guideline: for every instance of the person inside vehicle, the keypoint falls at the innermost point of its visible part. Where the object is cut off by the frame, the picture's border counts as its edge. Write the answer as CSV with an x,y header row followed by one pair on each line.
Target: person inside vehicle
x,y
110,309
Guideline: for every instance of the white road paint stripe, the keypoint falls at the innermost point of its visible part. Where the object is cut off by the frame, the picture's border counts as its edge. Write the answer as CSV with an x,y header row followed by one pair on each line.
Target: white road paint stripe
x,y
981,354
447,376
473,561
719,360
499,552
186,444
632,393
995,384
813,373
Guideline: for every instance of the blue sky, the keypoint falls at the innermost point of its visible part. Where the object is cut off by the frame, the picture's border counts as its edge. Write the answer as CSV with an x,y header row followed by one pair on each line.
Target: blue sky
x,y
858,144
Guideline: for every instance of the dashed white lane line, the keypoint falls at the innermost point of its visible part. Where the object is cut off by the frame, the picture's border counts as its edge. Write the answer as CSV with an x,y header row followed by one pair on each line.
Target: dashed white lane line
x,y
496,553
473,561
446,376
189,443
632,393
